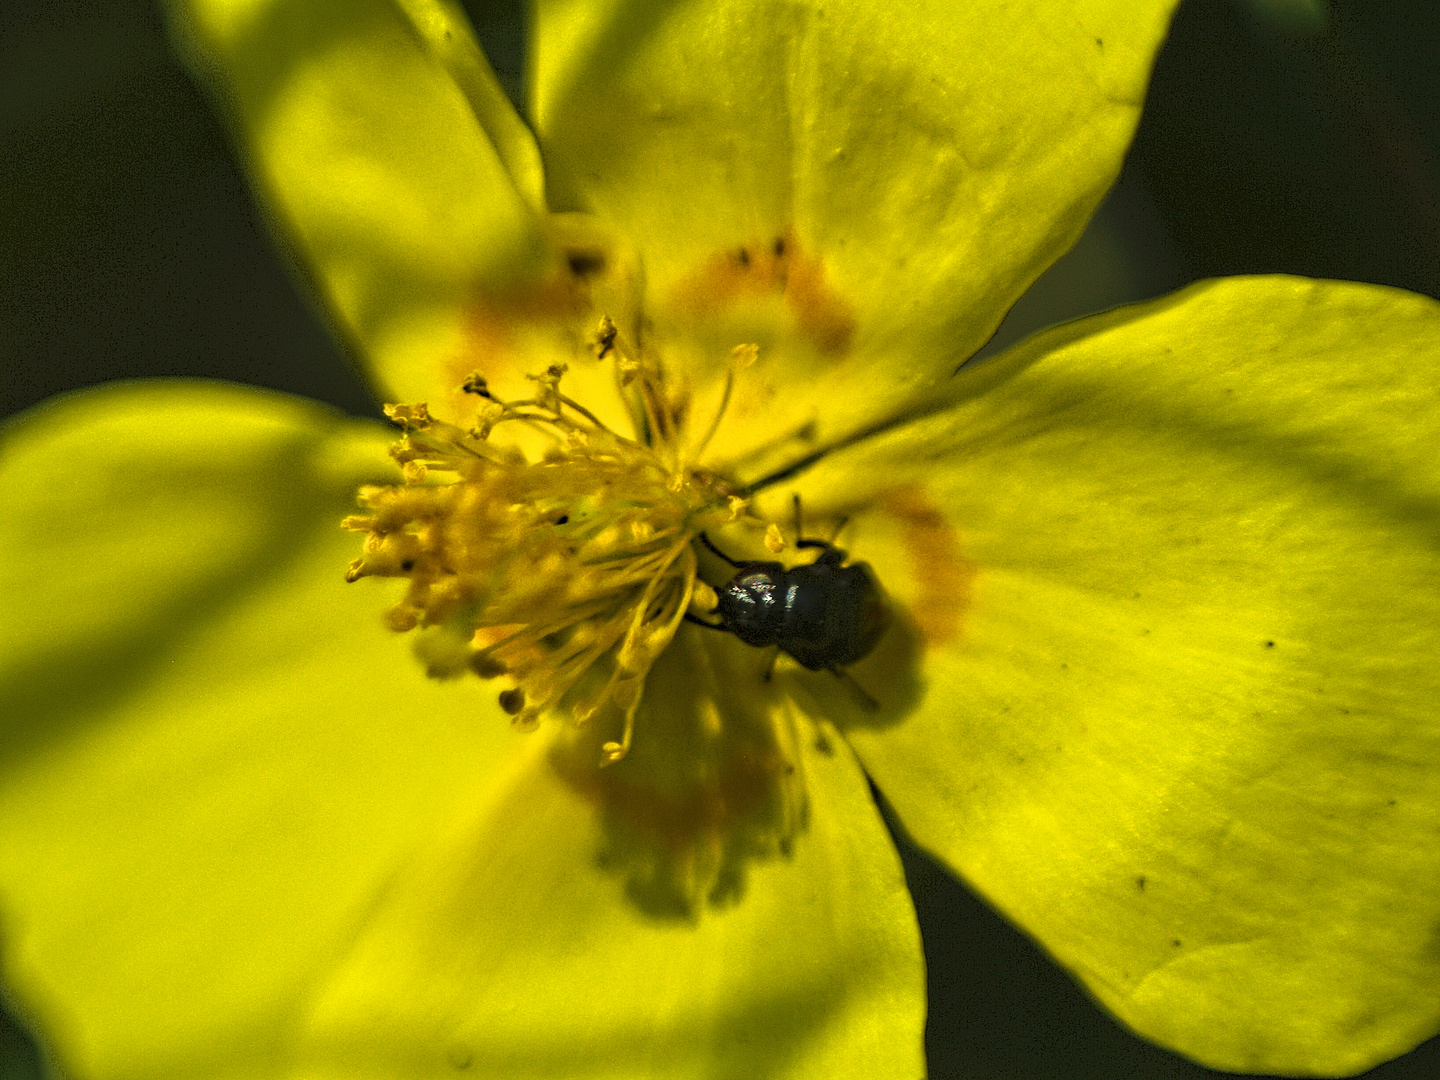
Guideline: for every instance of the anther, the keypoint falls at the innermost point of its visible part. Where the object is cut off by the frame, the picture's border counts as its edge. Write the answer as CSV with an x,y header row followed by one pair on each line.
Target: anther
x,y
486,666
410,417
605,337
475,384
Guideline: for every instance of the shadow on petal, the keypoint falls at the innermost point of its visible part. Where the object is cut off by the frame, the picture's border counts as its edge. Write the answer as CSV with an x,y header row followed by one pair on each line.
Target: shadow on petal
x,y
714,780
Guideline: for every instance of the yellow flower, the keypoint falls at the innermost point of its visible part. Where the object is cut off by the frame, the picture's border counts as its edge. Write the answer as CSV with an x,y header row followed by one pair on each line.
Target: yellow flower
x,y
1162,585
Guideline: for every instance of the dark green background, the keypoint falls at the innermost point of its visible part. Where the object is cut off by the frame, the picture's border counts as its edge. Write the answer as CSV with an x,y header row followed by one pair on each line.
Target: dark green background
x,y
129,247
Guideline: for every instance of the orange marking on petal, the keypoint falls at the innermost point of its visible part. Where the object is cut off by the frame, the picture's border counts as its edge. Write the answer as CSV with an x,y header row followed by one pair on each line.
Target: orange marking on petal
x,y
937,565
777,267
496,328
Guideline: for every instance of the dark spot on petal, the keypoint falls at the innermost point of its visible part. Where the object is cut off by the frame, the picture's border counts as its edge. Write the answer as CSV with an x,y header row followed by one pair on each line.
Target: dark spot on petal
x,y
1140,883
460,1056
585,263
408,565
1269,644
744,256
779,247
1175,942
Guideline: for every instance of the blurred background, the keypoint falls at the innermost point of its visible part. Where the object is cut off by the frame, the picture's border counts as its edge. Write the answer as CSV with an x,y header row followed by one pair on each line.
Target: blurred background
x,y
1287,136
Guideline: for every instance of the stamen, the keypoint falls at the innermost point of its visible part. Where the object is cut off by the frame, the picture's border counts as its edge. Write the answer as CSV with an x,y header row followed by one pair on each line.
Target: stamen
x,y
584,412
567,575
741,357
649,381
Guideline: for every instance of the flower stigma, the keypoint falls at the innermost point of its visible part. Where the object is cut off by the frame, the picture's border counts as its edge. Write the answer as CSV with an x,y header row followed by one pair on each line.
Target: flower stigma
x,y
557,556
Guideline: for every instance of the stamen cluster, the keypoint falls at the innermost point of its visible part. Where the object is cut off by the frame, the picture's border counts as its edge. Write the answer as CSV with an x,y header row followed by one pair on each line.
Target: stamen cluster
x,y
566,572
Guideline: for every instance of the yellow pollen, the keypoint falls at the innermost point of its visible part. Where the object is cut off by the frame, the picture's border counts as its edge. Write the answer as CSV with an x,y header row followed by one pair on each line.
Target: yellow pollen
x,y
566,572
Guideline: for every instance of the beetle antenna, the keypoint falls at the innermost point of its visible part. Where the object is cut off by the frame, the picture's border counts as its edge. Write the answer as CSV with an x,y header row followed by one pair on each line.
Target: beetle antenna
x,y
716,551
800,539
862,697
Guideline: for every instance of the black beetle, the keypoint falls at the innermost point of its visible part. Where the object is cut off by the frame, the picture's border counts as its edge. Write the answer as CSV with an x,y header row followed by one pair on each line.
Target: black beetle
x,y
824,614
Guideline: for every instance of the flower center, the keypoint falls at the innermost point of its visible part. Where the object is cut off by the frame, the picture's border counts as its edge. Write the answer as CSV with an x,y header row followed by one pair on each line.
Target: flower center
x,y
559,558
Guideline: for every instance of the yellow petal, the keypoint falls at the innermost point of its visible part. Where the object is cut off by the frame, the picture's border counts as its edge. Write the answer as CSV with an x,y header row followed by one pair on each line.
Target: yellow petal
x,y
508,950
397,173
1170,580
863,195
214,753
240,833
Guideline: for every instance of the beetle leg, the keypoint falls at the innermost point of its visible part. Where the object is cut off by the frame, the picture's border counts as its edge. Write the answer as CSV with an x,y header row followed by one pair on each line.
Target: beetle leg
x,y
716,551
862,698
701,622
800,539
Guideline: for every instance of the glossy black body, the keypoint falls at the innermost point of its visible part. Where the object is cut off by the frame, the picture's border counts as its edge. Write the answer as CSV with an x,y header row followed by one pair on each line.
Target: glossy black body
x,y
825,614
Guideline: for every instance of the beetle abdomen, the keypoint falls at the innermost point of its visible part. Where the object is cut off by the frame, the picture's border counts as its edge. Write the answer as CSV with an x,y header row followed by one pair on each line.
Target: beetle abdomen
x,y
833,625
